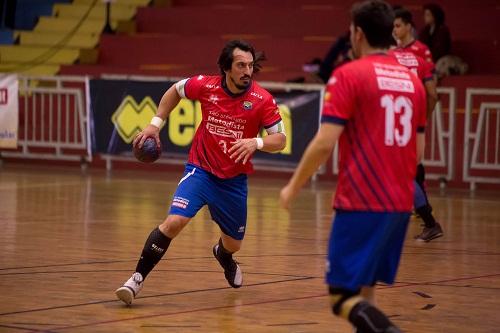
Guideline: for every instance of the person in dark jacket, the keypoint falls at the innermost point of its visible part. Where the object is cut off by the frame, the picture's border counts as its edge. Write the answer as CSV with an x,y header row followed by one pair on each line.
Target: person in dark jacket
x,y
435,33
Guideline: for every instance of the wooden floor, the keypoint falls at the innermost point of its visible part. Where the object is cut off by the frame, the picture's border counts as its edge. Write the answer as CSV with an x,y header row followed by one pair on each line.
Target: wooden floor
x,y
68,239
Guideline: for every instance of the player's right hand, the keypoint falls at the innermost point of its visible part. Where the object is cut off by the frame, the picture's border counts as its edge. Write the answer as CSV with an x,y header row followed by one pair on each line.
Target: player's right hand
x,y
149,131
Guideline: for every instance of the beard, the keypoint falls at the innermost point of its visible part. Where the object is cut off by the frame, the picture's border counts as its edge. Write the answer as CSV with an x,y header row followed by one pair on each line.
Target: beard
x,y
243,85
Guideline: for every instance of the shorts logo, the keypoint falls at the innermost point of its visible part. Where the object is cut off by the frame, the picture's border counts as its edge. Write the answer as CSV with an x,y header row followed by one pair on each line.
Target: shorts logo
x,y
241,229
247,105
180,202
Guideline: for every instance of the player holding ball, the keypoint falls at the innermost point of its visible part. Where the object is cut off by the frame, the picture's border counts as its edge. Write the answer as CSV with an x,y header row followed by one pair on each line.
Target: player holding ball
x,y
234,109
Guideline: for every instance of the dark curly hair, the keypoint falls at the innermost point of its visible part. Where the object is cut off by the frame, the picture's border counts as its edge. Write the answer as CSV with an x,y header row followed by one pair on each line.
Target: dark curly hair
x,y
226,56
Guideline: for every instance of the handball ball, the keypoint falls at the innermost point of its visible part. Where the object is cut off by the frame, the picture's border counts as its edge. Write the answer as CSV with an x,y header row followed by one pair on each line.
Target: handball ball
x,y
149,152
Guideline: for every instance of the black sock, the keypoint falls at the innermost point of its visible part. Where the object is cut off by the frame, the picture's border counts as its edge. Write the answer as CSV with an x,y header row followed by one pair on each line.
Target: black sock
x,y
420,177
425,213
367,318
224,254
155,247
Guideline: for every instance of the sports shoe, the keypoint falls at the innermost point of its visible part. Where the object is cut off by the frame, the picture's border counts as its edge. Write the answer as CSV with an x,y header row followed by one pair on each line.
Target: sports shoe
x,y
429,234
130,289
232,270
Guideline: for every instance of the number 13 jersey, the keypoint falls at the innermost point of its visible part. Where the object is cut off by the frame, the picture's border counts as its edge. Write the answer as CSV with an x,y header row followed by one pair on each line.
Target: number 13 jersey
x,y
381,105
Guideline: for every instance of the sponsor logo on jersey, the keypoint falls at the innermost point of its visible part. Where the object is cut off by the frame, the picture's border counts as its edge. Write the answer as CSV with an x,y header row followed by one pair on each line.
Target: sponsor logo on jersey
x,y
247,105
386,83
213,99
256,95
223,131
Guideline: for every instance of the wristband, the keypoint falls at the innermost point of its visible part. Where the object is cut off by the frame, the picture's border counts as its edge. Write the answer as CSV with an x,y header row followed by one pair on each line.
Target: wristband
x,y
156,121
260,143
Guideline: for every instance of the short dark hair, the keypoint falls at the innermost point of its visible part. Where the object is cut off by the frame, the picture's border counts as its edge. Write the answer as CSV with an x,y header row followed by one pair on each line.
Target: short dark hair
x,y
376,19
403,14
226,56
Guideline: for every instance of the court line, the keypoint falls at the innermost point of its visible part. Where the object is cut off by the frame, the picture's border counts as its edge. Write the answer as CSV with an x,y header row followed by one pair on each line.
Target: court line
x,y
157,270
294,324
450,252
152,296
164,314
169,259
20,328
221,307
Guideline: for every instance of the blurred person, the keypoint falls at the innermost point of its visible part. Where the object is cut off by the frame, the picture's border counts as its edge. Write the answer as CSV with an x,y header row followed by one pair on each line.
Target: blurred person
x,y
409,53
435,34
403,34
375,108
424,71
234,109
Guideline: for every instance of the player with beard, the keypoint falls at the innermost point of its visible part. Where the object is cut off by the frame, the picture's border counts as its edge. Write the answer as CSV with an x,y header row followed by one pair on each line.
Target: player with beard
x,y
234,110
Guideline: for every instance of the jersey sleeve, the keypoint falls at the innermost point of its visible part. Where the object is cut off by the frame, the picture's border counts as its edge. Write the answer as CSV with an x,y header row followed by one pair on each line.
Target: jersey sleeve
x,y
271,113
338,104
191,88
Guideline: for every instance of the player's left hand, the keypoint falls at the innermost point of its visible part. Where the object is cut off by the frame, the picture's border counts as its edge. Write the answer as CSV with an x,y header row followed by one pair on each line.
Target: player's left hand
x,y
242,150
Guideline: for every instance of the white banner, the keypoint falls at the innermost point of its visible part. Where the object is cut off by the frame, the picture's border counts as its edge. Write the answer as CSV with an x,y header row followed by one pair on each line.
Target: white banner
x,y
9,111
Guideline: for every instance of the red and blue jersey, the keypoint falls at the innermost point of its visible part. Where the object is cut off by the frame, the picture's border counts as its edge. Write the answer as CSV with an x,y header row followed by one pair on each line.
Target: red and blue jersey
x,y
225,118
419,49
424,70
381,105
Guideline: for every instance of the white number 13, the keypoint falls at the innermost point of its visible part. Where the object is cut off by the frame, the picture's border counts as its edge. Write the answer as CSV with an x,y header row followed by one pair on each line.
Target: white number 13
x,y
399,105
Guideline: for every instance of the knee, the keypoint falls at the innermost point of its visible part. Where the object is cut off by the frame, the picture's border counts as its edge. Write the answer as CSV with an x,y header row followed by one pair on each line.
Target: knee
x,y
173,225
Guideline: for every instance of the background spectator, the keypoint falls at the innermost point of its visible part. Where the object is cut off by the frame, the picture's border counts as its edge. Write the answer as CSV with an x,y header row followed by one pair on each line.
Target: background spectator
x,y
435,33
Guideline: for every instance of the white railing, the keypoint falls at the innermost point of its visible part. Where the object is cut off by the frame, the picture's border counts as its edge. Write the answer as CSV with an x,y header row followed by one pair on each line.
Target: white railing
x,y
440,132
54,119
485,145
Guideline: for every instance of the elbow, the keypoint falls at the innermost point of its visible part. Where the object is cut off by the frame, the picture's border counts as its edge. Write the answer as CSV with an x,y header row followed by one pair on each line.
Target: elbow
x,y
282,143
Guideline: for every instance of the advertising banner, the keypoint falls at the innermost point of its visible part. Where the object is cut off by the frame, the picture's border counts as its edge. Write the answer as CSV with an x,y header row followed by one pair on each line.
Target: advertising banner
x,y
9,111
122,108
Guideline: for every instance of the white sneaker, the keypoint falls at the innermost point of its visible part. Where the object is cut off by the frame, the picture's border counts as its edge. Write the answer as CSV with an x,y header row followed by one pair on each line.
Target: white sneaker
x,y
130,289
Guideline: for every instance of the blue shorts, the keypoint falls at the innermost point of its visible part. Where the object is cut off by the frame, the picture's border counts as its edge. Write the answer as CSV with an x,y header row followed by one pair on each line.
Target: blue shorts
x,y
364,248
226,199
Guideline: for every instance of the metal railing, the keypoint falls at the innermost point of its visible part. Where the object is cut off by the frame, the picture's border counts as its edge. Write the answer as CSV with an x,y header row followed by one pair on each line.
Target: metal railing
x,y
481,147
440,134
54,119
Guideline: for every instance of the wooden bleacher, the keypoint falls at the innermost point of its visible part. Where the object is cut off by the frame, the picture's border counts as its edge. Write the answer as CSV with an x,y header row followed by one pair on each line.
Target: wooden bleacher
x,y
183,39
65,37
